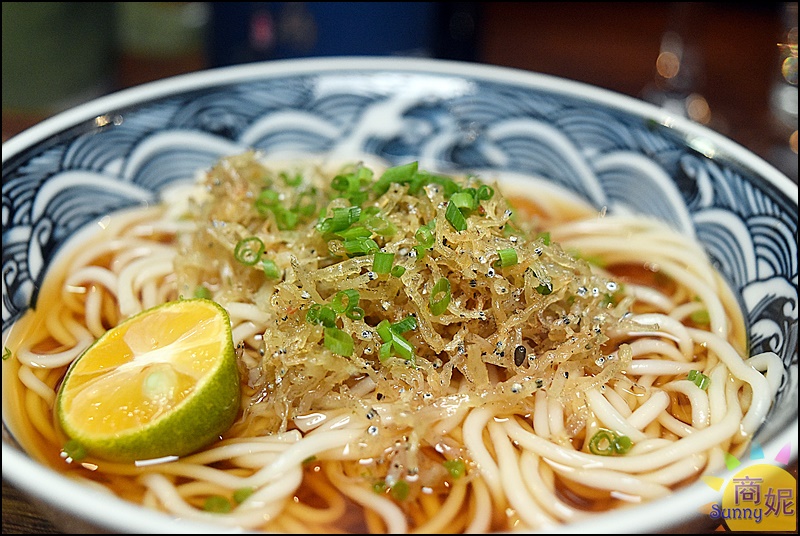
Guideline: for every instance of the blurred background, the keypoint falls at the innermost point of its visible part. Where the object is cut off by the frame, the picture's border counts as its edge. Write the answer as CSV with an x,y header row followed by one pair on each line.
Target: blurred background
x,y
729,65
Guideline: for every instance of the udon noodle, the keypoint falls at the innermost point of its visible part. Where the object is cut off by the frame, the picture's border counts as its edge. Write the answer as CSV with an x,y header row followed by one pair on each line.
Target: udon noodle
x,y
515,358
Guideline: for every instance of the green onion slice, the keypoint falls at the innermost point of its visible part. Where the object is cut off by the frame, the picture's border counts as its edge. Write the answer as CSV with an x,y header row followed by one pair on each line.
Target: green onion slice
x,y
407,324
338,341
345,300
455,217
456,467
440,296
508,257
465,200
699,379
607,443
217,504
356,313
271,269
602,443
484,193
385,352
239,495
400,490
202,292
384,329
248,250
382,262
360,246
402,347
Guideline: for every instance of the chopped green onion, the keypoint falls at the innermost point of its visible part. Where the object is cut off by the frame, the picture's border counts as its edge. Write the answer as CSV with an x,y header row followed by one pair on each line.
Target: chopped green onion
x,y
248,250
622,444
400,490
338,341
305,204
544,236
356,313
379,225
607,443
202,292
602,443
345,183
450,186
406,324
465,200
398,270
350,295
440,296
382,263
312,315
241,494
700,317
327,316
399,174
455,217
340,219
269,201
266,200
271,269
391,335
384,329
286,219
508,257
355,231
321,314
456,468
6,353
291,181
385,352
217,504
699,379
485,192
544,289
425,236
360,246
402,347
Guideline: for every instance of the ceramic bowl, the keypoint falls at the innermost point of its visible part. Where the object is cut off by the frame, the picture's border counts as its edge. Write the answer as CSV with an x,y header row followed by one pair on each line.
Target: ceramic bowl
x,y
613,151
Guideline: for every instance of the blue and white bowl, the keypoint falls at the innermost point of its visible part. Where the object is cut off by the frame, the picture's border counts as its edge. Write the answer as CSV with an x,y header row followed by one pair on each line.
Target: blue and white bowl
x,y
610,150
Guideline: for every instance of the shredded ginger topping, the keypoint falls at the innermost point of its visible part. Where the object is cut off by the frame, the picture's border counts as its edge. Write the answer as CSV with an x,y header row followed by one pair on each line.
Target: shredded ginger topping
x,y
402,289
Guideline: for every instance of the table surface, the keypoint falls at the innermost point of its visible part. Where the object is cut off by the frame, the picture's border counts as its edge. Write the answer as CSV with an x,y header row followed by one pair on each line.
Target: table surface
x,y
584,41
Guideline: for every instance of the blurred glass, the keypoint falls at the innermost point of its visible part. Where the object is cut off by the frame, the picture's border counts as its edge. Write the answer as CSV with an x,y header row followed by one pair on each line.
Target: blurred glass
x,y
783,95
679,69
56,54
160,39
242,32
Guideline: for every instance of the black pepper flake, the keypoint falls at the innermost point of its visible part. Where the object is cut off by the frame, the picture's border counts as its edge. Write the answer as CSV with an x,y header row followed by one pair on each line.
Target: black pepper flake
x,y
519,355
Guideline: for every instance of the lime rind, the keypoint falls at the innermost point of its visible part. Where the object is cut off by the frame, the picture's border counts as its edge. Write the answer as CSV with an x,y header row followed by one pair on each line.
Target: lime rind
x,y
192,424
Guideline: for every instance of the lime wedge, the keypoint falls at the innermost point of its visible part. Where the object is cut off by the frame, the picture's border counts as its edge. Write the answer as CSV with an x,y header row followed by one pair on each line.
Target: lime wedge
x,y
162,383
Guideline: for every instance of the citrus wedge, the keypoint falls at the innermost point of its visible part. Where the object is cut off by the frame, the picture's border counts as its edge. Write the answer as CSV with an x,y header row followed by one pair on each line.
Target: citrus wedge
x,y
162,383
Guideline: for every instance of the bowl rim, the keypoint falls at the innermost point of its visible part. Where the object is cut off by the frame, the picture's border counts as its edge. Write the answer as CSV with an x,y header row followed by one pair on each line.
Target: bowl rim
x,y
24,473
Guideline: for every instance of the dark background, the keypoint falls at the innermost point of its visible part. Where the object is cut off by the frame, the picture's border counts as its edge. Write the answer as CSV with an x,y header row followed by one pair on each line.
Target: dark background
x,y
85,49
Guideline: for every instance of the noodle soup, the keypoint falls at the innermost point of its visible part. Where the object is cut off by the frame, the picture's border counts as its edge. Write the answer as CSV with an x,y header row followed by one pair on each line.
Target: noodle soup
x,y
417,352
